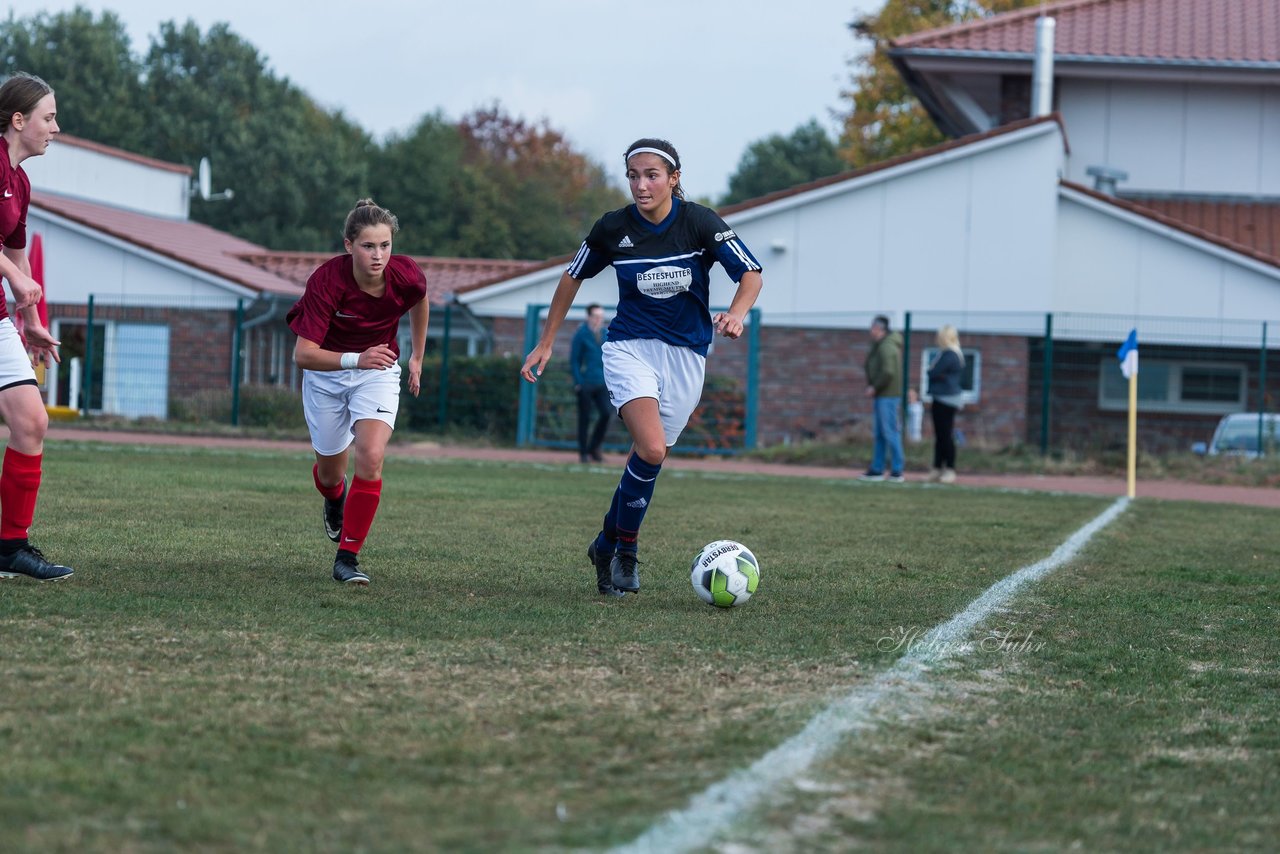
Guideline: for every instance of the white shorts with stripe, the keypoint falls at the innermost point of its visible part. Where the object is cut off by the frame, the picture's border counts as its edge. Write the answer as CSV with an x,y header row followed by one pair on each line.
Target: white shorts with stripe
x,y
646,367
15,363
333,401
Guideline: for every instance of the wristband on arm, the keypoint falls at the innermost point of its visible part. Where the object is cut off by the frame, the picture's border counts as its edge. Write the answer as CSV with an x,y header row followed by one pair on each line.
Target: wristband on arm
x,y
350,360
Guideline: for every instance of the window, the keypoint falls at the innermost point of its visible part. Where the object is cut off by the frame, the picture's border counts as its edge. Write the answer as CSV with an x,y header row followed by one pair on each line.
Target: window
x,y
970,380
1168,386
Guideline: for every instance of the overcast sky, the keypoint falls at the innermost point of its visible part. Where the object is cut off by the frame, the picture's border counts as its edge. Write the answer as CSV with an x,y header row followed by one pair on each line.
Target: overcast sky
x,y
712,76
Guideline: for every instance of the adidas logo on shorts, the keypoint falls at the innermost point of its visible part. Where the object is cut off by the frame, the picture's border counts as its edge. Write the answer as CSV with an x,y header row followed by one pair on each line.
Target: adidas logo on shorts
x,y
625,242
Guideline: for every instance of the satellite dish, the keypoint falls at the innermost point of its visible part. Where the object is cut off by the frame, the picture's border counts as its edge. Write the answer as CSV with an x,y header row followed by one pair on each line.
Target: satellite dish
x,y
205,178
204,184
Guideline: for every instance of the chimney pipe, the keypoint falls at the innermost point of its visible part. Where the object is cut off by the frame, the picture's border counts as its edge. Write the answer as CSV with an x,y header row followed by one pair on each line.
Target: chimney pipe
x,y
1042,74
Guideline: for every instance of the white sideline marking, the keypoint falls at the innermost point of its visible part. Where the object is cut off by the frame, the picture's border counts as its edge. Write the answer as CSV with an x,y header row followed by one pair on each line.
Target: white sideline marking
x,y
714,809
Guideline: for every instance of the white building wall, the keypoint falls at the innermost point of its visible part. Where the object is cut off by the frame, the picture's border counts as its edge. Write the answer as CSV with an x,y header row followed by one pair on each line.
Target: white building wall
x,y
78,263
1113,263
116,181
1175,137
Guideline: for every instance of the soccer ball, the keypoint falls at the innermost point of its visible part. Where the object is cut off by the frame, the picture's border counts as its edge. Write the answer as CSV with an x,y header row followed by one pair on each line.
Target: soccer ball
x,y
725,573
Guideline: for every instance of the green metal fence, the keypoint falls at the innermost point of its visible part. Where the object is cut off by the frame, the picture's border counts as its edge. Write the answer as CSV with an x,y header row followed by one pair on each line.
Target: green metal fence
x,y
724,422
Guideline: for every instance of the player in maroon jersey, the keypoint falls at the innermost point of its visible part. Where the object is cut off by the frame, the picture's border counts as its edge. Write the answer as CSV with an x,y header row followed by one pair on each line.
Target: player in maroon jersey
x,y
28,122
346,323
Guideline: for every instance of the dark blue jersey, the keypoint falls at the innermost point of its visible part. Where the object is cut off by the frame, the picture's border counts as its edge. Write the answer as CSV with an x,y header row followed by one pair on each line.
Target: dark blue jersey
x,y
663,270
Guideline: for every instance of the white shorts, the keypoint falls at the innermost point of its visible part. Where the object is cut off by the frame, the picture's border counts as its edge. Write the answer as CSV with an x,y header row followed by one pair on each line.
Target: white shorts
x,y
333,401
15,364
644,367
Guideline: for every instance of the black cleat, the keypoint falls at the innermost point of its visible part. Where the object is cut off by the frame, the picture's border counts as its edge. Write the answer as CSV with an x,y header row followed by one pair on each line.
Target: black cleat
x,y
601,562
346,569
333,513
624,572
30,562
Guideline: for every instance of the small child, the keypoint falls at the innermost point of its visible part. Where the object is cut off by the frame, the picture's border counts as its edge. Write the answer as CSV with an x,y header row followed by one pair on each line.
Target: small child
x,y
915,417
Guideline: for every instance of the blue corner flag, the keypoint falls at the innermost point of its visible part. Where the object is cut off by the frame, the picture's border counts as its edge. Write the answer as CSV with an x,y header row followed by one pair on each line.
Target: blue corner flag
x,y
1128,355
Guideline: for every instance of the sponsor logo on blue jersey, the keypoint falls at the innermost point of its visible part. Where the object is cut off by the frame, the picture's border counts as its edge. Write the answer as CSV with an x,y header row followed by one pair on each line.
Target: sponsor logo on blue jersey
x,y
664,282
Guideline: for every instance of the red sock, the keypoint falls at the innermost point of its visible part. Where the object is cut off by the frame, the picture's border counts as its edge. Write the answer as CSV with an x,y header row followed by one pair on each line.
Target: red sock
x,y
357,519
19,487
330,492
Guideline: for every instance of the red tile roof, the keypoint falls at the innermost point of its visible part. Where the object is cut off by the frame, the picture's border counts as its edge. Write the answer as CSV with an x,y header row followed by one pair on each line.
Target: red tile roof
x,y
1206,220
248,264
1254,224
444,275
1224,32
190,243
120,153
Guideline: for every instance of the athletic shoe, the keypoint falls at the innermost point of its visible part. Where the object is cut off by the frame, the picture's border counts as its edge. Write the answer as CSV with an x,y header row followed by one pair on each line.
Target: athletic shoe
x,y
896,478
947,476
872,477
626,576
601,561
30,562
597,457
333,513
347,570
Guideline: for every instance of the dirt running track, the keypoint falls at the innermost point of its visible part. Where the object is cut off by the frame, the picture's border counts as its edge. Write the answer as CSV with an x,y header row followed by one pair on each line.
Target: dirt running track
x,y
1170,490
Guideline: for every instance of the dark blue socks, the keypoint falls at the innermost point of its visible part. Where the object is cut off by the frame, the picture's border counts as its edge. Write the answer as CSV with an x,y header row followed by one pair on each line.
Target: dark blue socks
x,y
630,501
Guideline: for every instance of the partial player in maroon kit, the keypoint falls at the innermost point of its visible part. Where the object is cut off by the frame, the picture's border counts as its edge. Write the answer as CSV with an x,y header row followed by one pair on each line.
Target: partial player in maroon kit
x,y
28,123
347,323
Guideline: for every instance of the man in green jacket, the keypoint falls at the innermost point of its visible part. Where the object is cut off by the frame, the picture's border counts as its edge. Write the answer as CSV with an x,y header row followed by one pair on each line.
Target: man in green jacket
x,y
884,384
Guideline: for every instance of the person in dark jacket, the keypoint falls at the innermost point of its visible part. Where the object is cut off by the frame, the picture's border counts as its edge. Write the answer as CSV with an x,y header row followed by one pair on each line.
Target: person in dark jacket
x,y
884,384
945,373
587,364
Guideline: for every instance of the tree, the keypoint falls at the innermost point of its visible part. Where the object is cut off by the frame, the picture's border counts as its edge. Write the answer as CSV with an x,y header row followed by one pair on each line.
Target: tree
x,y
545,193
777,162
886,118
90,65
295,169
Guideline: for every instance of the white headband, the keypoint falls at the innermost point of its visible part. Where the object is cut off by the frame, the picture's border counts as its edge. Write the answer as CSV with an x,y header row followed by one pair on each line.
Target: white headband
x,y
658,151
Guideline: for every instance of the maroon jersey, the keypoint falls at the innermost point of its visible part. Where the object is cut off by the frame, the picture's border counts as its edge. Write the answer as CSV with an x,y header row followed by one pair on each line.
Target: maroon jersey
x,y
15,195
337,315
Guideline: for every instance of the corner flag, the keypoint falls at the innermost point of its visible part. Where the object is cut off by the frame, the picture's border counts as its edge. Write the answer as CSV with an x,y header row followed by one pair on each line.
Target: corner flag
x,y
1128,355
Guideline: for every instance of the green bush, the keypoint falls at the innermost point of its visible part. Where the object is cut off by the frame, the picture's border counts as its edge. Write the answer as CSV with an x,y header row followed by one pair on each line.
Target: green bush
x,y
260,406
483,396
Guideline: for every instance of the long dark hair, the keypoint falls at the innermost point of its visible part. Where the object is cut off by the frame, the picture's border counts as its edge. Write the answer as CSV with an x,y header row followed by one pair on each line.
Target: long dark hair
x,y
672,160
20,94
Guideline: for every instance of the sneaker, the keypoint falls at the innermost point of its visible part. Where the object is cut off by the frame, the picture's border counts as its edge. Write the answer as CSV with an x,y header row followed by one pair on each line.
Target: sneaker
x,y
604,578
623,569
30,562
333,513
346,569
872,477
896,478
934,475
947,476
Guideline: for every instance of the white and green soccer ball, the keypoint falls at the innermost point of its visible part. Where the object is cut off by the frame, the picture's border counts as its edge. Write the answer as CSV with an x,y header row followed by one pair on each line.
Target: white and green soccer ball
x,y
725,574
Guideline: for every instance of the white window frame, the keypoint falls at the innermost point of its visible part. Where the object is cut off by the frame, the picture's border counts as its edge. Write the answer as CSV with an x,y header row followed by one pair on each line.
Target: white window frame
x,y
1173,401
970,396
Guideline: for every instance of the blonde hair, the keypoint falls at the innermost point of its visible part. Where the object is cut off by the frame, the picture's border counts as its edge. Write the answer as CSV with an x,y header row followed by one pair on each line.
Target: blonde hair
x,y
949,339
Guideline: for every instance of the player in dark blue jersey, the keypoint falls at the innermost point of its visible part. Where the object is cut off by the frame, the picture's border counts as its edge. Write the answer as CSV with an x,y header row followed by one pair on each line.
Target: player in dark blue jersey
x,y
662,249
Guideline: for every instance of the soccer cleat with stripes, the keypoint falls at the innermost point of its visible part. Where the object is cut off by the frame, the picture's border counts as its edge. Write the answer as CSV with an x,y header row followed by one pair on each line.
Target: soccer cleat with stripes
x,y
346,569
333,508
29,561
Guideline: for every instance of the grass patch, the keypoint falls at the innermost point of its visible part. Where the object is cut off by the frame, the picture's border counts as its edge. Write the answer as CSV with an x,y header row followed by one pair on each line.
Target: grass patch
x,y
1126,703
202,682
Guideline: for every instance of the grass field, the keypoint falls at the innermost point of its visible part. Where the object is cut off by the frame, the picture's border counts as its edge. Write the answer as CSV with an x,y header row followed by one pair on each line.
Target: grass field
x,y
202,684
